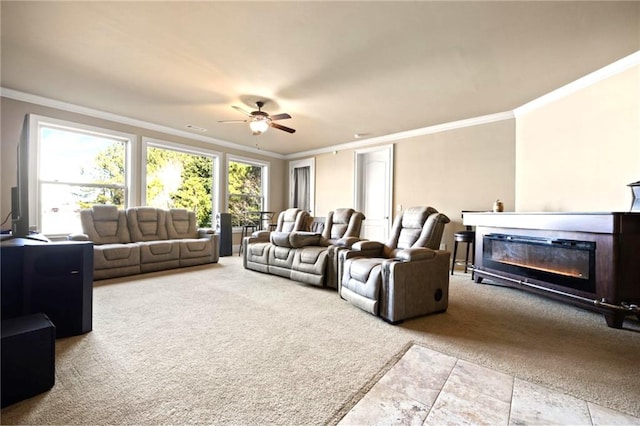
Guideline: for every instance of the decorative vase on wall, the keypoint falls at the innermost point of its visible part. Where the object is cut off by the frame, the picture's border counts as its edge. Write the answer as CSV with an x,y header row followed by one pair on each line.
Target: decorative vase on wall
x,y
498,206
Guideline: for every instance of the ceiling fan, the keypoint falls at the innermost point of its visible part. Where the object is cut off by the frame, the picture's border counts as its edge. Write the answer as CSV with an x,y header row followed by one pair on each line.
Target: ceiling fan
x,y
259,121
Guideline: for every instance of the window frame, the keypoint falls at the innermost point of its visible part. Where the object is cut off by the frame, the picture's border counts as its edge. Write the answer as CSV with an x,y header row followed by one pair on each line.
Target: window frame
x,y
36,124
186,149
266,170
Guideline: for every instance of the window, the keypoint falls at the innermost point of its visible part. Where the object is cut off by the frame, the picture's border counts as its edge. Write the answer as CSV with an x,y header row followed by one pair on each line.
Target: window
x,y
178,176
247,189
77,166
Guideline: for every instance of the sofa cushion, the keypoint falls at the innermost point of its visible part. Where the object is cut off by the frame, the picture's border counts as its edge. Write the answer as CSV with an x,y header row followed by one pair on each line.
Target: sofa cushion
x,y
193,248
114,260
256,256
105,224
412,222
147,223
340,219
181,223
309,265
114,252
361,283
280,261
156,251
293,219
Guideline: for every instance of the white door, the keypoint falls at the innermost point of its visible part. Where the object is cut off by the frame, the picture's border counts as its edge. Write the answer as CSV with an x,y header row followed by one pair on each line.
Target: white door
x,y
374,175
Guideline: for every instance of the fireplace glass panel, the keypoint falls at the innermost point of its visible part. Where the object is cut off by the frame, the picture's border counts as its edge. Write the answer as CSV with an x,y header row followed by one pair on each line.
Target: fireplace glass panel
x,y
559,260
564,262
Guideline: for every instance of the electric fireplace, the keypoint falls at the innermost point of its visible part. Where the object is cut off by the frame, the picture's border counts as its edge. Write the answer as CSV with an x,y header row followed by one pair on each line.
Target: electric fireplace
x,y
568,263
587,259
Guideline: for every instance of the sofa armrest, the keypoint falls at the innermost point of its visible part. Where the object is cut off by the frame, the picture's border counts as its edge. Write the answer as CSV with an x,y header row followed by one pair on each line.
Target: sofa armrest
x,y
262,235
417,253
258,237
78,237
205,232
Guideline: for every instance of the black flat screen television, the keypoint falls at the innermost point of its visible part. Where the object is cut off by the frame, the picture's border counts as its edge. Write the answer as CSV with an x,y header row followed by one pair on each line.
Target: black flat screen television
x,y
20,193
20,226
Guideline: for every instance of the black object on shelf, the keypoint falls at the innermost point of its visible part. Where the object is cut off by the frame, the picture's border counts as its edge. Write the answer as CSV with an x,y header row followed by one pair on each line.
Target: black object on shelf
x,y
28,357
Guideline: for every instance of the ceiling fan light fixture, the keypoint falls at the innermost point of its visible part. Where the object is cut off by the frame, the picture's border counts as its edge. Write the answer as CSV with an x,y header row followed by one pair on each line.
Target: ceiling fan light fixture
x,y
259,126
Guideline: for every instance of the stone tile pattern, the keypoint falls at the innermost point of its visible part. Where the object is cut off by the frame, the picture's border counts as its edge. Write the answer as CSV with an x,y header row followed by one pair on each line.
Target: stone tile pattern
x,y
426,387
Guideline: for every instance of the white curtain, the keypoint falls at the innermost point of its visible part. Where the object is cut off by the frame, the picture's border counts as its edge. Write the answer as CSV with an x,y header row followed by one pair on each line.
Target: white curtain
x,y
301,196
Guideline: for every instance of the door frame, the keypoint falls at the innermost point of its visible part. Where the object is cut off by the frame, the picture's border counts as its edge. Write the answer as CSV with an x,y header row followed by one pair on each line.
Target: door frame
x,y
359,184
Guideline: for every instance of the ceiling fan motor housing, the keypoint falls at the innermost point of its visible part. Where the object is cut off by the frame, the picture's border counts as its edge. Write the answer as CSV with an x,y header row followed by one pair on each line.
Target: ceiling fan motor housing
x,y
258,114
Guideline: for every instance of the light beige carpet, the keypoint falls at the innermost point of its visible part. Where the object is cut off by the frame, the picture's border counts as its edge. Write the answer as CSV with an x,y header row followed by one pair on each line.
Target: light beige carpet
x,y
221,345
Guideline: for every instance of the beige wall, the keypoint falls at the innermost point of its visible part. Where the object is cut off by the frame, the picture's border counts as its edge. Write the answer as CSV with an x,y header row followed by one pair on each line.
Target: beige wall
x,y
455,170
13,113
334,181
578,153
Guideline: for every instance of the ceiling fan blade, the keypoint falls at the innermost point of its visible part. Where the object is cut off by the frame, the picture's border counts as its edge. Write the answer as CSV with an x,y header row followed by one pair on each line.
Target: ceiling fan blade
x,y
279,116
281,127
237,108
233,121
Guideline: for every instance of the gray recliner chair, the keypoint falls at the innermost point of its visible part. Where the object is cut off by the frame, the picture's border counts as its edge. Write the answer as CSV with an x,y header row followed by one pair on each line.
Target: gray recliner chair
x,y
316,262
341,231
257,246
405,278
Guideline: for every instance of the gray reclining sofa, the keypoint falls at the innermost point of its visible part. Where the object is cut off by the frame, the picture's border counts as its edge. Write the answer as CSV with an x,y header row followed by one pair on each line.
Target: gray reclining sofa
x,y
144,239
293,251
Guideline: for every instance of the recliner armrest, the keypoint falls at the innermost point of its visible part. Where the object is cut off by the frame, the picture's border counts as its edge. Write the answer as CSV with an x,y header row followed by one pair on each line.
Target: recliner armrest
x,y
347,242
417,253
366,245
295,239
280,239
299,239
364,248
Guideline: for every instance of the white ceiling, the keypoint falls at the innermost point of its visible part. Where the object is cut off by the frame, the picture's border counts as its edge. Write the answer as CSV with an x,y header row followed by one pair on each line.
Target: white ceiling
x,y
338,68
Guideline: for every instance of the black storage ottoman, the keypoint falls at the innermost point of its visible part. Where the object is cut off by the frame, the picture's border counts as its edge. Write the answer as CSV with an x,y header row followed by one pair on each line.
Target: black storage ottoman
x,y
28,357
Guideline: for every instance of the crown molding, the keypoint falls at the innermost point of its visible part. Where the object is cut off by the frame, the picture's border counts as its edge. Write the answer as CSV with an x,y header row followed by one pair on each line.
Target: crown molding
x,y
64,106
396,137
581,83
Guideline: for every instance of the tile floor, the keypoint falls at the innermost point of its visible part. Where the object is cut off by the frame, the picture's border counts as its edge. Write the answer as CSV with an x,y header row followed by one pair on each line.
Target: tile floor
x,y
426,387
